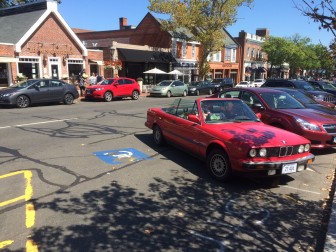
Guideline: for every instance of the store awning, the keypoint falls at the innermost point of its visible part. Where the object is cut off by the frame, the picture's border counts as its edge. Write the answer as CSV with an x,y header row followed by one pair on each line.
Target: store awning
x,y
99,62
145,56
8,59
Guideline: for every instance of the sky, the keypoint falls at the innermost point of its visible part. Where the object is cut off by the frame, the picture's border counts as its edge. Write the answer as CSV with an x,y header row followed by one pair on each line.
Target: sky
x,y
280,17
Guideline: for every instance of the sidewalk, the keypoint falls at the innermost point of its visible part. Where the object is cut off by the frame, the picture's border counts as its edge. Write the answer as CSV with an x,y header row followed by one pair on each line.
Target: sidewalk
x,y
330,242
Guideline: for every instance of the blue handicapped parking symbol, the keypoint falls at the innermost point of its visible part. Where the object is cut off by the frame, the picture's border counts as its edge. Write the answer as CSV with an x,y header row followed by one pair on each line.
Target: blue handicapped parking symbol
x,y
121,156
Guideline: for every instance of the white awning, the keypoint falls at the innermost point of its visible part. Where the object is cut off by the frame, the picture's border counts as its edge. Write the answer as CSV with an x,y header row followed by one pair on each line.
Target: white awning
x,y
8,59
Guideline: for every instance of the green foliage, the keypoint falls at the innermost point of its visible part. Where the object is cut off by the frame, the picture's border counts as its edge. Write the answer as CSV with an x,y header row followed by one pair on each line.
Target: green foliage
x,y
204,19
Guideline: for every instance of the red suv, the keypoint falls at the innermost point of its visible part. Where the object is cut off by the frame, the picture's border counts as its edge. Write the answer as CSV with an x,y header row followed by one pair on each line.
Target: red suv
x,y
114,87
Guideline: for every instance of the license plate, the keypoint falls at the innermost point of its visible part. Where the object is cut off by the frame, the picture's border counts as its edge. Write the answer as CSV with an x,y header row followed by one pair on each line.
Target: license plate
x,y
289,168
88,92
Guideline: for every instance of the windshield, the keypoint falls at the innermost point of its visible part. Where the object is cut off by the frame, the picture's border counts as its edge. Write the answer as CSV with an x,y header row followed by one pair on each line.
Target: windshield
x,y
23,84
301,97
222,111
305,86
164,83
107,82
195,84
327,85
281,101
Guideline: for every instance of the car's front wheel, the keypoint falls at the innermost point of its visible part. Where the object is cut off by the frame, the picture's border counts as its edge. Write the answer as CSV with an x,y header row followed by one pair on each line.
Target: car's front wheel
x,y
197,92
22,101
108,96
210,91
68,99
168,94
158,136
184,93
218,165
135,95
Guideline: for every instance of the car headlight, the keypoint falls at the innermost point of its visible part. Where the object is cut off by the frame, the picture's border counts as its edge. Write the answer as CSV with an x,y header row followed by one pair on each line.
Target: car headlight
x,y
301,148
253,152
8,94
318,97
262,152
98,89
307,147
307,125
164,89
192,89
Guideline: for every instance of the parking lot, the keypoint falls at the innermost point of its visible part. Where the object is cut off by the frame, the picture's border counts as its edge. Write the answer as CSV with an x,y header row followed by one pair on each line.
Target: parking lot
x,y
88,177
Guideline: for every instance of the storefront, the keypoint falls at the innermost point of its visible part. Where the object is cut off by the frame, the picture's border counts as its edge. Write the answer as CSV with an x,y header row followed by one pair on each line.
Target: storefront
x,y
35,51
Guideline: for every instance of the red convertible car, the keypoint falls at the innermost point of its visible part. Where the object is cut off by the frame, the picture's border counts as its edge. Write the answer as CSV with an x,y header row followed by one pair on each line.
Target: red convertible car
x,y
229,137
279,109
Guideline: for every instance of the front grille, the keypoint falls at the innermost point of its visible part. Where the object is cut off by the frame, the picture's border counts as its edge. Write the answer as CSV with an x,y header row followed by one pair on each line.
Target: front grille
x,y
329,128
329,99
283,151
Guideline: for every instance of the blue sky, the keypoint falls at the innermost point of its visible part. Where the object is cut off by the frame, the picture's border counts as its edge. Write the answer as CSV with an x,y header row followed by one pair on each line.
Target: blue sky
x,y
279,16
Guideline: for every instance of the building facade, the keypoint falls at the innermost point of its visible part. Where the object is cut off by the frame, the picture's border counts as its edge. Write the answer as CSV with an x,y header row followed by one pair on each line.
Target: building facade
x,y
36,42
253,61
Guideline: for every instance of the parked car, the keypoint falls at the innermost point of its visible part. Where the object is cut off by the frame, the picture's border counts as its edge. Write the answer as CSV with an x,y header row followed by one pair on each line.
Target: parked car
x,y
169,88
221,83
324,86
111,88
279,109
258,82
309,102
238,145
244,84
303,85
38,91
200,88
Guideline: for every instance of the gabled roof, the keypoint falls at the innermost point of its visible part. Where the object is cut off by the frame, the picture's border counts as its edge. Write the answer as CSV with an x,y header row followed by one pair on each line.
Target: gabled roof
x,y
19,23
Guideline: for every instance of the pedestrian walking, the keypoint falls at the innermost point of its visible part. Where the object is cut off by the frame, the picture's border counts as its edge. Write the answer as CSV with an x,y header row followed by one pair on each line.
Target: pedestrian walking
x,y
82,79
93,79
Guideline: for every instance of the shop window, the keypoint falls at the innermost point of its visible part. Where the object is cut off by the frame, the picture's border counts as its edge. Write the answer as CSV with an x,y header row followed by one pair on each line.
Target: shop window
x,y
29,67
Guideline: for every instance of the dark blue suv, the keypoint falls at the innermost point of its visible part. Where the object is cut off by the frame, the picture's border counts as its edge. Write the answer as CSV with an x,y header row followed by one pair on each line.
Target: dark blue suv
x,y
221,83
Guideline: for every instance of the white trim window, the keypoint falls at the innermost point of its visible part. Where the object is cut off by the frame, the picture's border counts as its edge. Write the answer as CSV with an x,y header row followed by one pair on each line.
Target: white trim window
x,y
248,52
234,55
227,54
174,48
193,51
184,49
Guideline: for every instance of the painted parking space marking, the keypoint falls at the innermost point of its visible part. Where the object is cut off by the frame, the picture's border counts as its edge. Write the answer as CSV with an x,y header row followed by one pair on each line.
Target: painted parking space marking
x,y
121,156
37,123
29,207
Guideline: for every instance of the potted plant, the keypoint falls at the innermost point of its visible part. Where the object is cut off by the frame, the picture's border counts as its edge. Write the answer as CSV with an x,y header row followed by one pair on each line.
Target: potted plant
x,y
21,77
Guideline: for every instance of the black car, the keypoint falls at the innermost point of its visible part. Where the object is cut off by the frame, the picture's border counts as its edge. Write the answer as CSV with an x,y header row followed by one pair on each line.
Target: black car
x,y
200,88
307,101
38,91
324,86
221,83
302,85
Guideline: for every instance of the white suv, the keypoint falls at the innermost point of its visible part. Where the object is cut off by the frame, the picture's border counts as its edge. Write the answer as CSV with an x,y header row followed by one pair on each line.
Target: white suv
x,y
258,82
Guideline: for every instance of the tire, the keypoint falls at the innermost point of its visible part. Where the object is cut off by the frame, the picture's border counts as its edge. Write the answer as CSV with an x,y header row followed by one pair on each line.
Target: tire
x,y
68,99
108,96
218,165
184,93
158,136
168,94
22,101
210,91
197,92
135,95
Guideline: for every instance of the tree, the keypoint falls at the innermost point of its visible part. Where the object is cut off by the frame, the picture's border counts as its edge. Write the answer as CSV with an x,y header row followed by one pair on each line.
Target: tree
x,y
204,19
321,11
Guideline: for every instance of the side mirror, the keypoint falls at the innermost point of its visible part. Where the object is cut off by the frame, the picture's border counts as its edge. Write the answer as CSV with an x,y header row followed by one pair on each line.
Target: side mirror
x,y
258,106
194,118
258,115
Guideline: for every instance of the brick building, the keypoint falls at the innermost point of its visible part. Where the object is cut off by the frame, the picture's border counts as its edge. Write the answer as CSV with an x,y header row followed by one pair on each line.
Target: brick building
x,y
36,42
253,62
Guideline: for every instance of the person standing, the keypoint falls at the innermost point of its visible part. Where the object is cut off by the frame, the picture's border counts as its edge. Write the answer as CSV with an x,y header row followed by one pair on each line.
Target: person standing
x,y
93,79
82,79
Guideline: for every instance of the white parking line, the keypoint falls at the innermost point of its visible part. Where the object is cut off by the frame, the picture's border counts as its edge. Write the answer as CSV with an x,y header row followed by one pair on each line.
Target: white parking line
x,y
28,124
302,190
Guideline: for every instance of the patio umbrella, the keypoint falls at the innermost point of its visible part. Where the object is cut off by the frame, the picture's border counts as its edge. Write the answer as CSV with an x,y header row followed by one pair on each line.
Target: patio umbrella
x,y
155,71
176,72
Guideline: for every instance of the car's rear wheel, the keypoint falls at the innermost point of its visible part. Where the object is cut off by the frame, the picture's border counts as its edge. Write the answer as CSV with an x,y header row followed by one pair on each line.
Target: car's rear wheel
x,y
158,136
184,93
168,94
22,101
135,95
68,99
210,91
197,92
218,164
108,96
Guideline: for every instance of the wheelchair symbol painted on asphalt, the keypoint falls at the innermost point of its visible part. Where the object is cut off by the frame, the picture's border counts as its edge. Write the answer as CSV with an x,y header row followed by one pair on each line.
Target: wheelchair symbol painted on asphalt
x,y
121,156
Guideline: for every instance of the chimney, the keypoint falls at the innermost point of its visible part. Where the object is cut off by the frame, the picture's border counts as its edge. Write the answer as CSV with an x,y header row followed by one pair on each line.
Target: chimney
x,y
263,32
122,22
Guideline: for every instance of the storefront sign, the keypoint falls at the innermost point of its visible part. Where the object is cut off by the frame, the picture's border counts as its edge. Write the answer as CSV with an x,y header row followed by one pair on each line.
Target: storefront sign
x,y
47,48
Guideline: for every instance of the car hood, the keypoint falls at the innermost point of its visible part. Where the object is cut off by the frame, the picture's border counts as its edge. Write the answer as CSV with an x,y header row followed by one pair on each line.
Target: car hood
x,y
316,92
9,90
309,115
159,87
257,134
